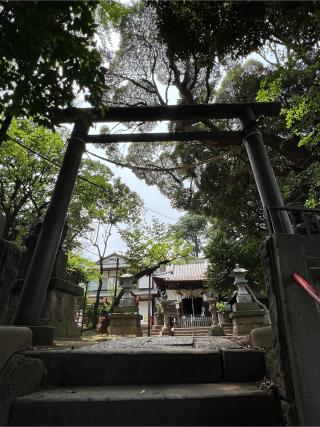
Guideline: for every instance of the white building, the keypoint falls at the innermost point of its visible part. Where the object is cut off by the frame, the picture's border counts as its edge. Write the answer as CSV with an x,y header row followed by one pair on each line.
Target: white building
x,y
114,265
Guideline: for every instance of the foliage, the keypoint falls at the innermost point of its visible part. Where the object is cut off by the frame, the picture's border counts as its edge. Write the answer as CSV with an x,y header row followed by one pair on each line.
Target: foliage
x,y
204,178
48,52
27,180
223,253
186,46
82,268
294,83
123,206
192,228
208,29
220,306
88,317
149,245
112,13
234,28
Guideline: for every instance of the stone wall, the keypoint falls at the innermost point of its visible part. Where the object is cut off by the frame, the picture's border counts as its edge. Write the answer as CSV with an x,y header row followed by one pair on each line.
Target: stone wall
x,y
61,300
10,258
293,359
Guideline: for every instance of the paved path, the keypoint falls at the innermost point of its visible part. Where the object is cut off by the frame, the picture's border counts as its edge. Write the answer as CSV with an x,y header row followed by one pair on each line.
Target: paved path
x,y
165,342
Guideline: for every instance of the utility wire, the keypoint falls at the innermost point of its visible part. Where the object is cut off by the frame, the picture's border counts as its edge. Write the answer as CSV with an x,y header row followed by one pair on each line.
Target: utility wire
x,y
149,209
79,176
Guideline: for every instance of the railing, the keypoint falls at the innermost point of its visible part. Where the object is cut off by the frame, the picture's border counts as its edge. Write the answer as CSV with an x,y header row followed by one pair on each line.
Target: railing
x,y
305,221
311,290
193,321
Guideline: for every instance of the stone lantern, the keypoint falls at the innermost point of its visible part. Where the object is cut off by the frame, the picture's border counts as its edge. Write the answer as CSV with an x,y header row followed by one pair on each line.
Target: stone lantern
x,y
166,329
215,328
127,286
125,319
246,314
240,281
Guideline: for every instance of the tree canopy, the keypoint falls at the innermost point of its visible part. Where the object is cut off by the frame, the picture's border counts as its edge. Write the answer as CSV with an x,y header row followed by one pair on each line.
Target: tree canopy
x,y
203,51
48,54
27,176
192,228
150,246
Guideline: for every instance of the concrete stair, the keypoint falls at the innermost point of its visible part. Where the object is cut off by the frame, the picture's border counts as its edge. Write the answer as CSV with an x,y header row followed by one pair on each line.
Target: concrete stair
x,y
155,330
200,331
149,387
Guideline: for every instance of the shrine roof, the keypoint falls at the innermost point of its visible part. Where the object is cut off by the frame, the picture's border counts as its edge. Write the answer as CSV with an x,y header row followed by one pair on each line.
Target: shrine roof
x,y
193,271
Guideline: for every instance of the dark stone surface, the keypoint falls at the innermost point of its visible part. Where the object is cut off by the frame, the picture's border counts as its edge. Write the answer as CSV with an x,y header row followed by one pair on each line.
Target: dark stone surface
x,y
261,337
62,295
131,367
177,405
42,335
2,224
243,365
20,376
293,359
215,331
10,258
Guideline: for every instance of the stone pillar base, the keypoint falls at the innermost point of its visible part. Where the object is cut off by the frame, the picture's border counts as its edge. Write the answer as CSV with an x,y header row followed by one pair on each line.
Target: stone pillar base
x,y
164,330
215,331
247,316
125,321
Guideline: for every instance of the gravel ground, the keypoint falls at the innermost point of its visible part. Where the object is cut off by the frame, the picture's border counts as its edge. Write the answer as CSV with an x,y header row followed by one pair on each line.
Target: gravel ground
x,y
163,342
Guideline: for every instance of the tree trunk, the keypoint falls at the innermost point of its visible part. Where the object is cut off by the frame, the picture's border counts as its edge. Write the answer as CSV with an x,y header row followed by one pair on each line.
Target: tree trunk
x,y
4,128
97,301
196,245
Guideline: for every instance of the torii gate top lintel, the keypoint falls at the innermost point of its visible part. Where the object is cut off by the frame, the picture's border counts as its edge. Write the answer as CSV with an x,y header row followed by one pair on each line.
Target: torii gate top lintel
x,y
167,112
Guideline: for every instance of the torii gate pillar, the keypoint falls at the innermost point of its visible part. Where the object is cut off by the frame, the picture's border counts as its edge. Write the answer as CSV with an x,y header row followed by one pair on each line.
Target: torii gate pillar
x,y
266,182
34,289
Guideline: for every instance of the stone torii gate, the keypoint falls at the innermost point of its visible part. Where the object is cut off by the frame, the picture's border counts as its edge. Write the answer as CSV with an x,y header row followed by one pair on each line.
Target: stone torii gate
x,y
297,354
38,276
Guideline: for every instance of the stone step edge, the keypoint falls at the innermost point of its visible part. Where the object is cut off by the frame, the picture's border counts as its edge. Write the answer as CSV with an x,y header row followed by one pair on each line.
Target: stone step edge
x,y
178,405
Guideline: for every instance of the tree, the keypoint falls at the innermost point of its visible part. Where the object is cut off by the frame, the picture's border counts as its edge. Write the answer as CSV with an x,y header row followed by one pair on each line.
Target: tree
x,y
83,269
123,206
48,53
192,228
150,246
187,45
235,28
27,179
224,252
205,178
27,176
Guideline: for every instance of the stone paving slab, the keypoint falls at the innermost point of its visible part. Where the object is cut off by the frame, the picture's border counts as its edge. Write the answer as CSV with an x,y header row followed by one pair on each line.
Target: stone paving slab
x,y
171,343
215,343
148,405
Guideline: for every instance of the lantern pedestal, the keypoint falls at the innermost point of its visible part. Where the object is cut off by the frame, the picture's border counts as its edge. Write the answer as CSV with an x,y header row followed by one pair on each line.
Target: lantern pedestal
x,y
215,331
247,316
125,321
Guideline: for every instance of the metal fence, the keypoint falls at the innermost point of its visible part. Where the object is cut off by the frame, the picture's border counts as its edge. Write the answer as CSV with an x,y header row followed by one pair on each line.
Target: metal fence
x,y
193,321
304,221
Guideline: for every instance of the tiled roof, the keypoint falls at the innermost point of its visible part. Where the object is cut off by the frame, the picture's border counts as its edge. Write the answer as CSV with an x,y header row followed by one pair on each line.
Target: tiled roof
x,y
193,271
144,291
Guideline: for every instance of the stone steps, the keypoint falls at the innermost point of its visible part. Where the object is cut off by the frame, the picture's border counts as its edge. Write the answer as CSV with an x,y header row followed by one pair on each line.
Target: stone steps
x,y
196,331
148,366
148,405
174,386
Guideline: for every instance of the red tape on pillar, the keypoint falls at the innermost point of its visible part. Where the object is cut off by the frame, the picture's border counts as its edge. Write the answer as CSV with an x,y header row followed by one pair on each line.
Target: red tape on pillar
x,y
312,291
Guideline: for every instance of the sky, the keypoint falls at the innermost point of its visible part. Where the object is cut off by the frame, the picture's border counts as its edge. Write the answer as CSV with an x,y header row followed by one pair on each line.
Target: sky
x,y
157,205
